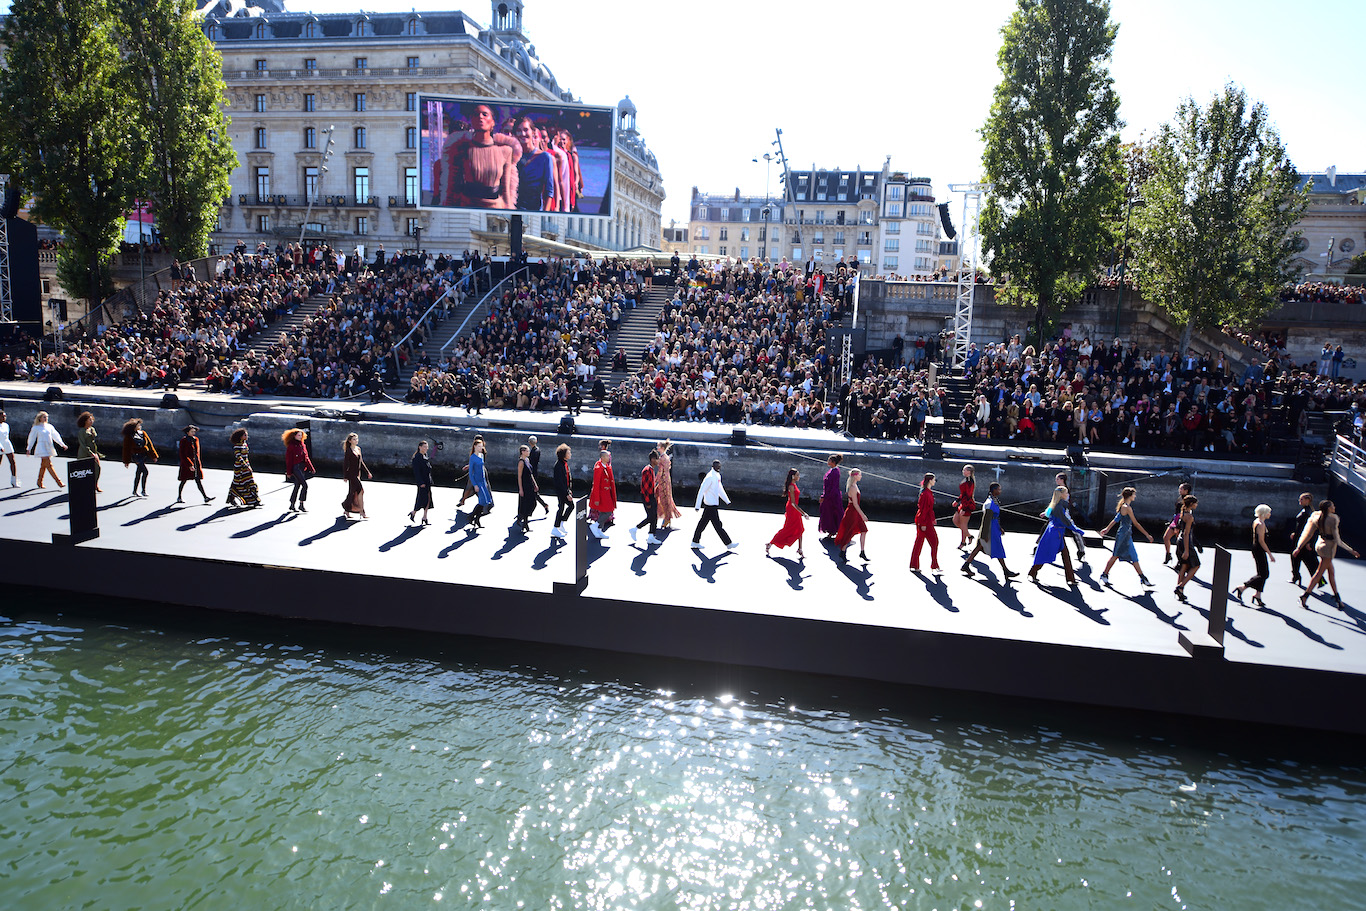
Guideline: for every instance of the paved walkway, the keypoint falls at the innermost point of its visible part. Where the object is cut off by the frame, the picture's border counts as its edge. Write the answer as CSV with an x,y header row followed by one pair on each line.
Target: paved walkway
x,y
882,592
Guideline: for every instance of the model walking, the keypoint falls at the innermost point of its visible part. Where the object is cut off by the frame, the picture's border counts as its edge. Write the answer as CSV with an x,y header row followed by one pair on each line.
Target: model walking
x,y
710,496
44,441
1325,525
832,498
1053,541
422,477
1187,549
1174,527
1061,478
649,495
479,480
298,468
668,509
469,479
7,450
243,491
528,492
965,506
794,520
1124,524
534,457
924,525
1261,555
87,443
989,539
602,501
353,463
564,490
191,465
138,449
854,522
1302,556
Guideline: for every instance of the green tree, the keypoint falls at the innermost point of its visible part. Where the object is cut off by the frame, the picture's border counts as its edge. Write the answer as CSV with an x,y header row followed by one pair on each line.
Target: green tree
x,y
177,79
1216,238
1052,155
1358,265
70,135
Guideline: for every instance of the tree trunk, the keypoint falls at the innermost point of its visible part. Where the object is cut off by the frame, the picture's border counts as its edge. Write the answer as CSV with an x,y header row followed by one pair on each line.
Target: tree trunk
x,y
1185,340
94,300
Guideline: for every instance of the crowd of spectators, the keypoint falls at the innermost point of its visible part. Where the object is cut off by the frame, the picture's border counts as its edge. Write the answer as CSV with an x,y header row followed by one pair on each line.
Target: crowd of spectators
x,y
1119,396
741,343
1324,293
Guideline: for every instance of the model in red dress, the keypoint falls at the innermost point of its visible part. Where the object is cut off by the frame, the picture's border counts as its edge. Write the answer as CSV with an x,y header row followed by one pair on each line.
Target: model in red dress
x,y
965,506
854,521
924,525
794,520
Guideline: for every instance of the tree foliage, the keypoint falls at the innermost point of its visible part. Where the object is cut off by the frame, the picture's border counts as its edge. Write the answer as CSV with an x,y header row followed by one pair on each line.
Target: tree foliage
x,y
70,136
1215,239
1052,153
177,79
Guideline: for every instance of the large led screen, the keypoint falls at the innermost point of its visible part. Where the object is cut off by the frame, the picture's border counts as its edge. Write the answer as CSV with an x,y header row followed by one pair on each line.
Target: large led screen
x,y
486,153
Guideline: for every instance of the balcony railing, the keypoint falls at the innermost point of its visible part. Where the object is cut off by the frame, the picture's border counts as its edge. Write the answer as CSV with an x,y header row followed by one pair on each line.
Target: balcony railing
x,y
368,72
397,203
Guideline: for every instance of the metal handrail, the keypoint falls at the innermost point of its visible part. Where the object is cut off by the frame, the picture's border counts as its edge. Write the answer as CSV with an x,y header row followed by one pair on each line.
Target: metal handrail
x,y
1352,460
421,320
483,300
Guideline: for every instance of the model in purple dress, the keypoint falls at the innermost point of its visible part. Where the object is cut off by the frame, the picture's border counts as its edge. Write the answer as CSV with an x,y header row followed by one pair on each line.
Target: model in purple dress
x,y
832,499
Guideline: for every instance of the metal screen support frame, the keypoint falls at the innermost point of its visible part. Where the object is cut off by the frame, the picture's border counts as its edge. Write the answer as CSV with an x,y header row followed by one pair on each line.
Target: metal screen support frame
x,y
6,293
967,270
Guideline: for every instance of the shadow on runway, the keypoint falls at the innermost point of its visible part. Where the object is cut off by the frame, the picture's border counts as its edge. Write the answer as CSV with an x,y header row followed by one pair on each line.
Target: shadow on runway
x,y
515,539
412,531
646,552
1148,602
1229,626
936,588
862,578
52,501
221,512
706,566
1076,599
1002,589
471,533
1295,624
155,514
794,571
543,558
341,523
264,526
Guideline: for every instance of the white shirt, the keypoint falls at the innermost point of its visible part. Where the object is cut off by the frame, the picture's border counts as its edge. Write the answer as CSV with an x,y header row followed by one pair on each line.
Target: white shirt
x,y
711,493
6,444
41,440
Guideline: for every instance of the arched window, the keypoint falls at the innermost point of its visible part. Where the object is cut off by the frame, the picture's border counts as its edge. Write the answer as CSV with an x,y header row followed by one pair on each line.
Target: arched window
x,y
360,28
311,30
260,30
412,26
213,31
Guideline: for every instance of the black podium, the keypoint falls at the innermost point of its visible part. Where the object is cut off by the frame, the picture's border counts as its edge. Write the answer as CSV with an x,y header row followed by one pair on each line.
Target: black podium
x,y
81,475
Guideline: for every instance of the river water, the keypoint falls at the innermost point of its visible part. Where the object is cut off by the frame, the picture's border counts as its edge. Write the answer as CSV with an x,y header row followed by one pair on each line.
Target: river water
x,y
152,758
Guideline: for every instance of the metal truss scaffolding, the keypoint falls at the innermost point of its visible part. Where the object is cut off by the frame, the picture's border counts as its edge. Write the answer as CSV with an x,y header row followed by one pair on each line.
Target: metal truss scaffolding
x,y
6,296
967,268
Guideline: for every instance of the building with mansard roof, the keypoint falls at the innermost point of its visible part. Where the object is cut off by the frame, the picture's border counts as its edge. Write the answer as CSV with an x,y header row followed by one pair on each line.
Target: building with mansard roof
x,y
324,122
1333,226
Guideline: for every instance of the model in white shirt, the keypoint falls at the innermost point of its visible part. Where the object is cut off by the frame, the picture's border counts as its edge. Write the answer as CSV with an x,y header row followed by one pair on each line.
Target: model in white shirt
x,y
44,441
7,449
710,496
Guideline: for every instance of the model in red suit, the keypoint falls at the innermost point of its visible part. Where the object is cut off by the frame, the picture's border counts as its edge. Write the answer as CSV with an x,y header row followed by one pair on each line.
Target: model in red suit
x,y
924,525
794,520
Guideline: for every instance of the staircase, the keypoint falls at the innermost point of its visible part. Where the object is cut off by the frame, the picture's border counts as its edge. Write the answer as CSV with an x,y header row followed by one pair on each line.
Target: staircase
x,y
635,332
292,322
445,331
957,393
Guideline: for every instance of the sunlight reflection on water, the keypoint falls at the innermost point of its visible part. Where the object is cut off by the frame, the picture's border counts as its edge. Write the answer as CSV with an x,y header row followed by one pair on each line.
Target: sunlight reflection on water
x,y
154,769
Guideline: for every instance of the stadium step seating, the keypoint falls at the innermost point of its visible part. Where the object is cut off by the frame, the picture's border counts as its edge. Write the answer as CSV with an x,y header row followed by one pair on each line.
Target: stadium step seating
x,y
633,335
444,331
263,342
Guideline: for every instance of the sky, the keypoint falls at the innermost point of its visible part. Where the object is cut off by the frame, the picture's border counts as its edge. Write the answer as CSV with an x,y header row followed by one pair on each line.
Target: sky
x,y
851,83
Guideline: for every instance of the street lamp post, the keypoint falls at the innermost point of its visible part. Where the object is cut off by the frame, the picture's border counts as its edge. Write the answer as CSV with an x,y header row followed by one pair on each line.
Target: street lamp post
x,y
1132,200
317,188
767,158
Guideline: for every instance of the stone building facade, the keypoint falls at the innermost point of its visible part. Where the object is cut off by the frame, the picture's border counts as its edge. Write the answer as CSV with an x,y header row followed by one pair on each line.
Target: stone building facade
x,y
324,122
1333,227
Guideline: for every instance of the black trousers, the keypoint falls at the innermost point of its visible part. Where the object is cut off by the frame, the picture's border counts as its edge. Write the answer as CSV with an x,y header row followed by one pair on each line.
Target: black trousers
x,y
711,515
1258,580
1306,558
651,517
565,510
300,491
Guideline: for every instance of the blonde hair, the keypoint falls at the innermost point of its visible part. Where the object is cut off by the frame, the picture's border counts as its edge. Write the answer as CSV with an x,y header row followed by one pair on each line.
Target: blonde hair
x,y
854,475
1262,511
40,417
1058,494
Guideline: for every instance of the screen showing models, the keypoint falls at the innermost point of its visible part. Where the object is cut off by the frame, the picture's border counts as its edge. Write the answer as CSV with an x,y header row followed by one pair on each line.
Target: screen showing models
x,y
482,153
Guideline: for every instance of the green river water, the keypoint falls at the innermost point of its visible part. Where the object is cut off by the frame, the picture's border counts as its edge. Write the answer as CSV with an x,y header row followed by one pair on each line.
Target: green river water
x,y
160,759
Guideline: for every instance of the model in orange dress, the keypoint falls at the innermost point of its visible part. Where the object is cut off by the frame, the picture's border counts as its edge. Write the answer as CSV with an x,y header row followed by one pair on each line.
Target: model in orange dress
x,y
794,520
854,521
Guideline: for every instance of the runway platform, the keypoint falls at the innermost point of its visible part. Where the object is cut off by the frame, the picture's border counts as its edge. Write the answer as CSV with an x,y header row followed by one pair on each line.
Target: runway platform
x,y
1095,644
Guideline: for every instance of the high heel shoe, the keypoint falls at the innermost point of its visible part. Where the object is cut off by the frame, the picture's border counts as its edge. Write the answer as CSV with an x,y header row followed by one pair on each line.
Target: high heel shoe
x,y
1257,601
1238,593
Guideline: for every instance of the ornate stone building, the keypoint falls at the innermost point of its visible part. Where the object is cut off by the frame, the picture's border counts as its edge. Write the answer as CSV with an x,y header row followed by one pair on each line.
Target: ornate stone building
x,y
1333,227
324,121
